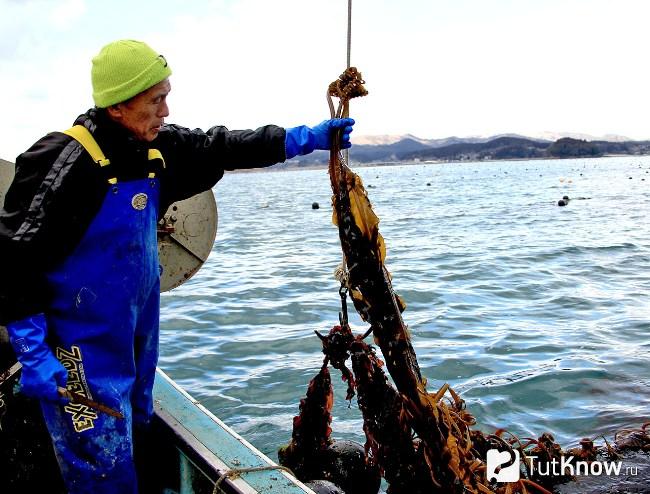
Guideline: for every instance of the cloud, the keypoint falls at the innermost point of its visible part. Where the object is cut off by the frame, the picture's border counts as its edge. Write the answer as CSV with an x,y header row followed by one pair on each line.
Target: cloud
x,y
236,66
65,13
433,69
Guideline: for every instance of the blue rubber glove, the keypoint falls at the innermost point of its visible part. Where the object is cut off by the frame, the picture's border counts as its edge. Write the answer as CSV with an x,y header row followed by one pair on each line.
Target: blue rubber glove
x,y
303,140
42,372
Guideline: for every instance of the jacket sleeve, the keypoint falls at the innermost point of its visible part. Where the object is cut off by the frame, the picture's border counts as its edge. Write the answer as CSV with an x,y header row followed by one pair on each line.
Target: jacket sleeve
x,y
22,285
38,227
196,160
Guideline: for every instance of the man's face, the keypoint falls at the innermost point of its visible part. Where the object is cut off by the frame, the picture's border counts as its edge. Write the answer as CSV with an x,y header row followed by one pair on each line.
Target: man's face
x,y
144,113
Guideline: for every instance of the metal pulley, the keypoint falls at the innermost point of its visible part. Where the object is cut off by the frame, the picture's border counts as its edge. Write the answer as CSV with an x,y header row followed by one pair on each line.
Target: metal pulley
x,y
185,238
185,234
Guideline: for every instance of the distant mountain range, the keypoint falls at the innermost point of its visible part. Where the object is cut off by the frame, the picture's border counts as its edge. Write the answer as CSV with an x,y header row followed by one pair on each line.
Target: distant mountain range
x,y
409,148
375,140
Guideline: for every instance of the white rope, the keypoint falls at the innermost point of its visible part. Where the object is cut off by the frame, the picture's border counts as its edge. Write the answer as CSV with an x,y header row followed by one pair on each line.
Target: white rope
x,y
234,473
349,30
347,151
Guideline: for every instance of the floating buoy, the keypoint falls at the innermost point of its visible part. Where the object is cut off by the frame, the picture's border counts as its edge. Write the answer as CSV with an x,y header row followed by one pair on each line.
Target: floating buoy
x,y
314,205
345,465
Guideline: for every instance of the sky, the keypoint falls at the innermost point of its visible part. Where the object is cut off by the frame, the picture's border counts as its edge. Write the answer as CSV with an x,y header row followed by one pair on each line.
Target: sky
x,y
433,68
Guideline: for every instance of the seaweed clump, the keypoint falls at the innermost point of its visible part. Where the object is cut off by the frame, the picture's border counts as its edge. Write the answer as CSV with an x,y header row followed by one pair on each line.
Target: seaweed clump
x,y
420,442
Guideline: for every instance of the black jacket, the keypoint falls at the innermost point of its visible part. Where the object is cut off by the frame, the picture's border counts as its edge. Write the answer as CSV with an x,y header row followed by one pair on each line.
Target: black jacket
x,y
58,190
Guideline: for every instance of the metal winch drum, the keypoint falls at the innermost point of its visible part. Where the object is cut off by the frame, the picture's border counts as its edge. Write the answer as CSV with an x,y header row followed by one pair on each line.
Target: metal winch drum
x,y
186,233
185,238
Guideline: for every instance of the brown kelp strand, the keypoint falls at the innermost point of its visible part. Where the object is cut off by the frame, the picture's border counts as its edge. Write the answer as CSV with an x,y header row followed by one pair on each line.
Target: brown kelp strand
x,y
544,451
350,84
634,439
389,441
336,347
370,287
311,454
311,429
364,252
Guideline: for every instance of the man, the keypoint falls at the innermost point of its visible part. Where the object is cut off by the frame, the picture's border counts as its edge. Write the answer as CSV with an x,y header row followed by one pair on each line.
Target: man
x,y
80,294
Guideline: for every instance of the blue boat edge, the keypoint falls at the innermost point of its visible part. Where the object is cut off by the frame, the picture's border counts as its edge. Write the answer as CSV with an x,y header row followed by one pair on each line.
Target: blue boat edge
x,y
208,449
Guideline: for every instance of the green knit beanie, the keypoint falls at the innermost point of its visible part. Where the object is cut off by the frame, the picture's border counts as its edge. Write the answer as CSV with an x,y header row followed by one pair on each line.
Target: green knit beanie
x,y
125,68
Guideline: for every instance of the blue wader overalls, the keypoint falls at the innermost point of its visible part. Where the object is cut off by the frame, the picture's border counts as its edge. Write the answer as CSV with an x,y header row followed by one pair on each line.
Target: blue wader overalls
x,y
103,324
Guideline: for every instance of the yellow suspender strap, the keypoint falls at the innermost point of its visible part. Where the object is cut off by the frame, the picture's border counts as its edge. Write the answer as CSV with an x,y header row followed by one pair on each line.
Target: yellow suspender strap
x,y
82,135
86,139
154,154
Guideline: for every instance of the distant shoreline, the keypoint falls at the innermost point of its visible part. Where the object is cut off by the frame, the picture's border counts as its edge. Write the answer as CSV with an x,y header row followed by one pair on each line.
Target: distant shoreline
x,y
280,167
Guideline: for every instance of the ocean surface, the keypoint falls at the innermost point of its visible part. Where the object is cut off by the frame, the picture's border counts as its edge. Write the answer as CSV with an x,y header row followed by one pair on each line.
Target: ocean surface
x,y
538,315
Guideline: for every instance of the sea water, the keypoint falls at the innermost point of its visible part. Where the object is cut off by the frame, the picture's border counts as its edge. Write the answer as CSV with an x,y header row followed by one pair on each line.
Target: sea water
x,y
538,315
